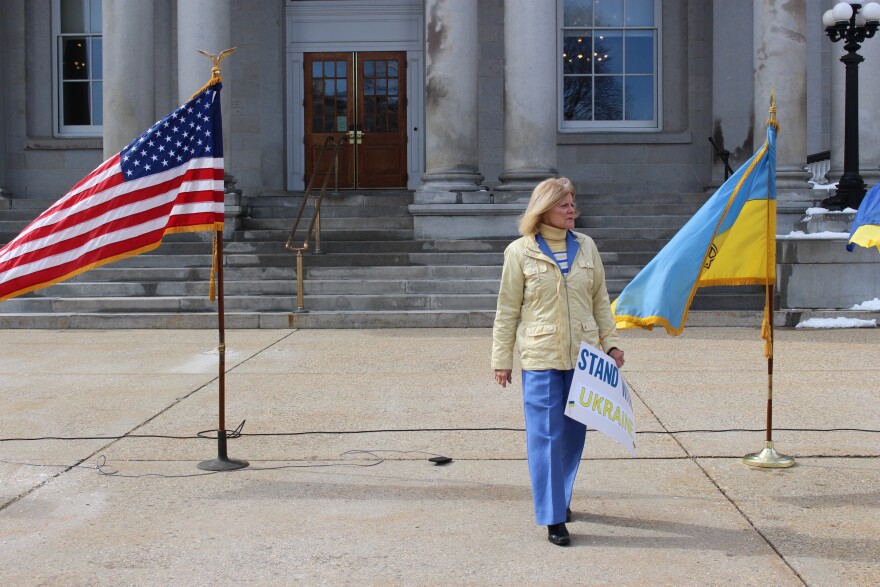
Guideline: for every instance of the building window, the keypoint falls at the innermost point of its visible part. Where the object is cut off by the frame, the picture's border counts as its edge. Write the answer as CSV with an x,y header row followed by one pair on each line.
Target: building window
x,y
77,61
609,64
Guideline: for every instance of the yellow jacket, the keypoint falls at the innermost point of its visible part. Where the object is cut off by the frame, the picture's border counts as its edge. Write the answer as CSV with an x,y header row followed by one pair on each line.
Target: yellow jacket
x,y
547,315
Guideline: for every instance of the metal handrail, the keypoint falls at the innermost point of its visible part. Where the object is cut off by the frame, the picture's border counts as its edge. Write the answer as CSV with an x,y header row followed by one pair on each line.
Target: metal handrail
x,y
316,216
724,155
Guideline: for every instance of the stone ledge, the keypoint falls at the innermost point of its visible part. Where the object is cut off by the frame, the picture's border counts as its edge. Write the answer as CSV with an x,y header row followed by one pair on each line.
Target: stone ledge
x,y
62,143
645,136
826,222
465,221
821,274
441,196
466,209
831,250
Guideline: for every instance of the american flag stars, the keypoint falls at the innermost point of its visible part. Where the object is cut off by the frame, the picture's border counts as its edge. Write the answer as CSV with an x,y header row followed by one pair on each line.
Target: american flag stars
x,y
181,136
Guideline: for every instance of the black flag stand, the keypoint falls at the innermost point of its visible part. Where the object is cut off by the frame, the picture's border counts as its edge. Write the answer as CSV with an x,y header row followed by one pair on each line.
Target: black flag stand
x,y
222,462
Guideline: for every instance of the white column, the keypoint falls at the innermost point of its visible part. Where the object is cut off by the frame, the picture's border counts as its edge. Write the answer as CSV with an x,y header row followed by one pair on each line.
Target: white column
x,y
869,107
203,24
166,91
129,77
780,61
530,104
3,115
451,99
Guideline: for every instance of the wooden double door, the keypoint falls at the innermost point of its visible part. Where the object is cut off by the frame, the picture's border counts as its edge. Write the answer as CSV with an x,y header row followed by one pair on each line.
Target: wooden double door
x,y
361,95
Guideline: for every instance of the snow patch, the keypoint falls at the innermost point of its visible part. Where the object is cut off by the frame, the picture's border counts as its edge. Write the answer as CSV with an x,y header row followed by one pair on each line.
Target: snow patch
x,y
824,235
872,305
839,322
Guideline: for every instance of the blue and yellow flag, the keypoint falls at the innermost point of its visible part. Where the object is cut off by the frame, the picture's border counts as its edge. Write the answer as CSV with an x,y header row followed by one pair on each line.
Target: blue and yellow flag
x,y
866,226
731,240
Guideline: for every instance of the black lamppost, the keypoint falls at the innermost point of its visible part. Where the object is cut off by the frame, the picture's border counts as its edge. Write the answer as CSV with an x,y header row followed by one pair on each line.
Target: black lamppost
x,y
852,23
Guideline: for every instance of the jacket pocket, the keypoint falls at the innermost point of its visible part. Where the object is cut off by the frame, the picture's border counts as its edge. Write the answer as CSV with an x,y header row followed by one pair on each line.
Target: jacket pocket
x,y
584,275
538,280
539,328
590,334
538,345
532,267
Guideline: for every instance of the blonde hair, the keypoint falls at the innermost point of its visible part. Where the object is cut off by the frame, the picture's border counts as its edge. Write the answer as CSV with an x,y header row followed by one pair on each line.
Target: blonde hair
x,y
545,196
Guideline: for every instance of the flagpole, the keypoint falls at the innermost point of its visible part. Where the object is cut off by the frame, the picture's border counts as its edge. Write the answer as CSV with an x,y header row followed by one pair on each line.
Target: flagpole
x,y
768,457
222,462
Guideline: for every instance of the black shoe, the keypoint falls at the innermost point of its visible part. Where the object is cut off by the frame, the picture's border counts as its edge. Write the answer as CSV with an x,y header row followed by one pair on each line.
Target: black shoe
x,y
558,534
568,514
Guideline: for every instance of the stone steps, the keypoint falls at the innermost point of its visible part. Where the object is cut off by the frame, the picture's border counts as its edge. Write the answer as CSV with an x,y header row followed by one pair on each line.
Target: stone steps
x,y
344,223
18,215
329,211
372,272
614,262
250,303
590,208
632,221
369,319
287,287
347,198
361,302
266,287
625,201
327,235
341,247
598,234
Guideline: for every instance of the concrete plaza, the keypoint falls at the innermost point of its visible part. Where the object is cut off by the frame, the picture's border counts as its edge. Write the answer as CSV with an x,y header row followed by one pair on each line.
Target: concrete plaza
x,y
314,507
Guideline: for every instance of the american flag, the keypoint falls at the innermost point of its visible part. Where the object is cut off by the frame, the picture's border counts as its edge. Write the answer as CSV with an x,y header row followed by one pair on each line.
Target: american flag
x,y
168,180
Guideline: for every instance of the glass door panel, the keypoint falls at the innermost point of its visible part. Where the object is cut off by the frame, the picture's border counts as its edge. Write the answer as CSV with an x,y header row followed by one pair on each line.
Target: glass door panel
x,y
382,120
361,95
329,109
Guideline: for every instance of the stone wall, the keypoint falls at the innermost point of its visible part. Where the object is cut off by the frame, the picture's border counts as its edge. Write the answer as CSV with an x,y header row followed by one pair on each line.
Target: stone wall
x,y
821,273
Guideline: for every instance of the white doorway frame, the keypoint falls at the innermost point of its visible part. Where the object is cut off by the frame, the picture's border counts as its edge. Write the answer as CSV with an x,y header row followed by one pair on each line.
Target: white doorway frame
x,y
351,25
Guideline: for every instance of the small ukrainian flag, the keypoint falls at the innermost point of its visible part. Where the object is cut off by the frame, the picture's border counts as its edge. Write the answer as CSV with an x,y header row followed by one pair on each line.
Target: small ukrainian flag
x,y
866,226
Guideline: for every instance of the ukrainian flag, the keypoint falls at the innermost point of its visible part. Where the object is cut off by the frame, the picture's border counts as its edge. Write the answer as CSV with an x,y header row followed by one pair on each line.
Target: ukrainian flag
x,y
731,240
866,226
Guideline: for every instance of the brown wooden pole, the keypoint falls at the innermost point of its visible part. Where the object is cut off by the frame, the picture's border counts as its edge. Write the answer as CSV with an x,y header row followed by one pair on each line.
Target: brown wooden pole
x,y
770,399
221,326
222,462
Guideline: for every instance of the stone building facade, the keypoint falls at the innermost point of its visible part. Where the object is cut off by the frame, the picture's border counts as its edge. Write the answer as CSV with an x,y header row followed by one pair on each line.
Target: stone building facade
x,y
466,102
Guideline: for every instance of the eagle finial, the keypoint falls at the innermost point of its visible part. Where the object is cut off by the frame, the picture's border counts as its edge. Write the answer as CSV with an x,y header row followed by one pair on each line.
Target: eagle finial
x,y
216,59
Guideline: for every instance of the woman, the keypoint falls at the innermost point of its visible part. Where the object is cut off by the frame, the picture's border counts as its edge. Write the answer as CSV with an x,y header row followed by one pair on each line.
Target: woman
x,y
552,297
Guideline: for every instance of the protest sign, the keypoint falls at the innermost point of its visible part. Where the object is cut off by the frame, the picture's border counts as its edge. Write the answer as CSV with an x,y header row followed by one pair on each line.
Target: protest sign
x,y
600,398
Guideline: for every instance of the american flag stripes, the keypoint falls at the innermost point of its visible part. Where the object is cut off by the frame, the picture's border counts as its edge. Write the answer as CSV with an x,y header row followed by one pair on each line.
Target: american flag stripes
x,y
168,180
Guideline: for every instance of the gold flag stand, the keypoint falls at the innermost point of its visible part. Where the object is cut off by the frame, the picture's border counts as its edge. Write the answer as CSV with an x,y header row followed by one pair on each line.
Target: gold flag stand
x,y
222,462
768,458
